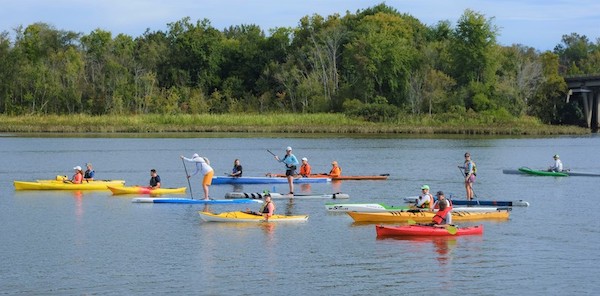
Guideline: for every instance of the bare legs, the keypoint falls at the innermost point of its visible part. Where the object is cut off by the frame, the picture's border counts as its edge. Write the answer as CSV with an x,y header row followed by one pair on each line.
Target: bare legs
x,y
469,188
291,183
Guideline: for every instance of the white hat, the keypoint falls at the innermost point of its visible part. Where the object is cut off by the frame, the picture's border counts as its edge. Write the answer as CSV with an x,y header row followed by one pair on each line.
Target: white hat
x,y
304,158
288,148
77,168
195,155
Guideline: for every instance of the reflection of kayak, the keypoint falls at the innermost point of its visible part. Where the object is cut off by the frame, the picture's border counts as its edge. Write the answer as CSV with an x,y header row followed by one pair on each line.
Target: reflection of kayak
x,y
424,230
425,216
529,171
193,201
60,185
569,173
263,180
274,195
144,190
374,177
374,208
247,217
477,202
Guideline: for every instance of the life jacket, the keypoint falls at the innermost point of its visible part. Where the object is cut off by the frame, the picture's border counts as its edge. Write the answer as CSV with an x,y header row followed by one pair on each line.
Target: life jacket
x,y
336,171
88,174
265,208
305,170
437,204
440,216
429,203
474,167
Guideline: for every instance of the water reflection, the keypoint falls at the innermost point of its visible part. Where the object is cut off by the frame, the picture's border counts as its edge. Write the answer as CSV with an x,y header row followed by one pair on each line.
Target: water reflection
x,y
289,207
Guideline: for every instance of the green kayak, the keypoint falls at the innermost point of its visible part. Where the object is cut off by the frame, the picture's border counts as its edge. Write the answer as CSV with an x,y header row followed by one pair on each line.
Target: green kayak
x,y
527,170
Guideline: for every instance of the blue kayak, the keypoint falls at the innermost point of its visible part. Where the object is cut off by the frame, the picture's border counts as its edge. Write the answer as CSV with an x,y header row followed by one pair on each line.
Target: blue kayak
x,y
264,180
193,201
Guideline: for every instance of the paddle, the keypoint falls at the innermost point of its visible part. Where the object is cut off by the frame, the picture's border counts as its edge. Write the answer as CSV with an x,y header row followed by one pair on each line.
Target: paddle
x,y
271,152
450,228
187,176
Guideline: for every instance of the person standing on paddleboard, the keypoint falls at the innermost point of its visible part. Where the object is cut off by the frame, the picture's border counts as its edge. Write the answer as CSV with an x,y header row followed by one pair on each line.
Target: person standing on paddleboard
x,y
290,162
203,166
470,173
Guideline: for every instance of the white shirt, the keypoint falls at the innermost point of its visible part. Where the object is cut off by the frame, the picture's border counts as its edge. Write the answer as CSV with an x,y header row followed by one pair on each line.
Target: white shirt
x,y
558,166
201,165
423,198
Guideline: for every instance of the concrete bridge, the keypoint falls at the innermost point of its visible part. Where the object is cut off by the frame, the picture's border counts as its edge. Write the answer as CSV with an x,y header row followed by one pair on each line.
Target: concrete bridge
x,y
588,89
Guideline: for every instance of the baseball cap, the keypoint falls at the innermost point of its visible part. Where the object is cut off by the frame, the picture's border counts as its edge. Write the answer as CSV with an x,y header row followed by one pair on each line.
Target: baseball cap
x,y
304,158
440,193
77,168
425,187
195,155
288,148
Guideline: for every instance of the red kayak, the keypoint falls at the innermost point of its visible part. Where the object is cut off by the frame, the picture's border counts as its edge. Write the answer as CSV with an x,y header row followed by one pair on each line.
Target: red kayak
x,y
425,230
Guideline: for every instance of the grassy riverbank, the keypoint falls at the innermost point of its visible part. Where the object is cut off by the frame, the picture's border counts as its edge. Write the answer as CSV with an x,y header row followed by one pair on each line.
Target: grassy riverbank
x,y
281,123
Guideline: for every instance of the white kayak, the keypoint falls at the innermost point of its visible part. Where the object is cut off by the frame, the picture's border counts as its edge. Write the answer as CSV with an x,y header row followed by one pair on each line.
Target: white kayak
x,y
380,207
258,195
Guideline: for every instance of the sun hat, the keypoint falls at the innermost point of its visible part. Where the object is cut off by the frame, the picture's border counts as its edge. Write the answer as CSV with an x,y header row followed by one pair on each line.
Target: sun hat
x,y
77,168
425,187
304,158
288,148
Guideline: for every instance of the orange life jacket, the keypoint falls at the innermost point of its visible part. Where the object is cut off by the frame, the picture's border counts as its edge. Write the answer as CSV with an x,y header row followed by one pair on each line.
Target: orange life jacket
x,y
440,216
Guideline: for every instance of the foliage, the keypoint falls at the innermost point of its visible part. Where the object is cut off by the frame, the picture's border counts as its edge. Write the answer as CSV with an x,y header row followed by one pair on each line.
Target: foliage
x,y
377,65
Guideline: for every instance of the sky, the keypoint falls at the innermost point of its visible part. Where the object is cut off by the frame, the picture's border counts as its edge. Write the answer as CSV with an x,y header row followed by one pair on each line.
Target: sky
x,y
536,23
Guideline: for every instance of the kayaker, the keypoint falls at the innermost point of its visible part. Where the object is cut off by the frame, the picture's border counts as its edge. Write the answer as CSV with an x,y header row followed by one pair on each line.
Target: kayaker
x,y
336,171
78,176
470,174
441,198
425,200
443,215
305,169
557,166
202,165
268,207
154,179
290,162
89,172
237,169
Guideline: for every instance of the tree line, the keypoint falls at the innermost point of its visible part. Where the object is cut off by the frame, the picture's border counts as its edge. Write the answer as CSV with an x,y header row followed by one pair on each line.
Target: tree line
x,y
377,64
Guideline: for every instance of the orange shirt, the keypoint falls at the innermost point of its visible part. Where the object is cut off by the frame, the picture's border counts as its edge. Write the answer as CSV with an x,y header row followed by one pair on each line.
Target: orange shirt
x,y
78,178
336,171
305,170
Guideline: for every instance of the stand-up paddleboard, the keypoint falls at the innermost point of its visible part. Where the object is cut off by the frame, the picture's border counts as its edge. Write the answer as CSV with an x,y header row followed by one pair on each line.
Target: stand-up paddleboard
x,y
193,201
477,202
258,195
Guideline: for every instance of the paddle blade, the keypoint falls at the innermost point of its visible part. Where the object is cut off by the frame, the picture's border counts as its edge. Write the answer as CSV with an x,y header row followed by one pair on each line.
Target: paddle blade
x,y
451,229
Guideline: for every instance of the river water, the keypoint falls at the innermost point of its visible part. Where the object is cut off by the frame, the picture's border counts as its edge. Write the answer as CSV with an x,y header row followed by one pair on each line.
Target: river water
x,y
75,243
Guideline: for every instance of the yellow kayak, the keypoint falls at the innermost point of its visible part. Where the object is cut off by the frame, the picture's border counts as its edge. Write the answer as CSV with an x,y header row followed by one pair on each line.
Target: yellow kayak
x,y
425,216
61,185
248,217
144,190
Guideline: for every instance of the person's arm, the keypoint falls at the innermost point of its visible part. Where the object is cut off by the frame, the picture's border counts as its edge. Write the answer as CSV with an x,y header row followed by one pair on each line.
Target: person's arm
x,y
157,182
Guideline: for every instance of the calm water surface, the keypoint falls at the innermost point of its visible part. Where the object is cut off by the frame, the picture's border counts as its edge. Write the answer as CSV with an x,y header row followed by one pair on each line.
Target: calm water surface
x,y
74,243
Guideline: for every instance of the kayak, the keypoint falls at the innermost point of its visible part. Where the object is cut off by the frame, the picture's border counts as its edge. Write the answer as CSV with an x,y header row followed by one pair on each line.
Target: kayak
x,y
425,230
529,171
340,178
193,201
144,190
257,195
569,173
60,185
477,202
425,216
264,180
380,207
248,217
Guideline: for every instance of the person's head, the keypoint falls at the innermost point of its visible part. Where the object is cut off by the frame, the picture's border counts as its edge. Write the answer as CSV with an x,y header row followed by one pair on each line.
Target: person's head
x,y
89,165
152,172
267,197
425,188
195,155
555,156
236,162
304,160
288,149
77,169
440,195
334,163
442,205
467,155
